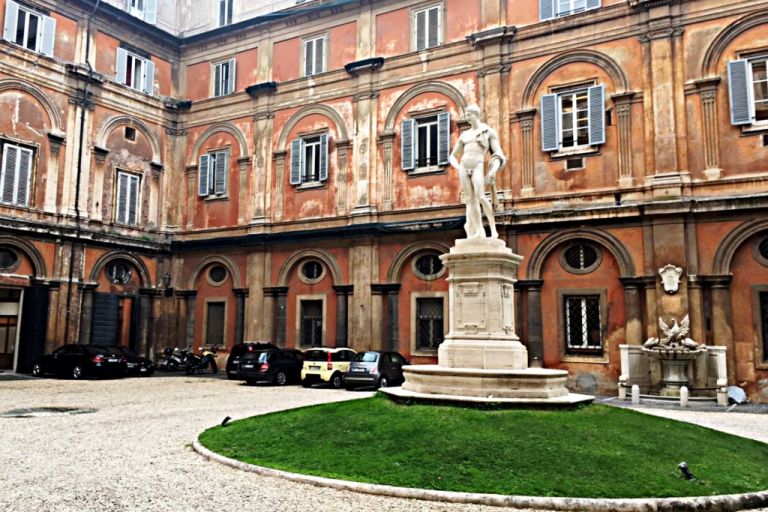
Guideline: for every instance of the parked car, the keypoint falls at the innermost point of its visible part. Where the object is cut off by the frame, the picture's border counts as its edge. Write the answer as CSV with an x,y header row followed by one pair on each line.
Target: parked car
x,y
326,365
275,365
135,364
79,361
377,369
233,361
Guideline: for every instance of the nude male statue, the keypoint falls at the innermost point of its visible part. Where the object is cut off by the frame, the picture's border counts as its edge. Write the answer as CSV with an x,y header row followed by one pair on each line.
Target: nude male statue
x,y
474,144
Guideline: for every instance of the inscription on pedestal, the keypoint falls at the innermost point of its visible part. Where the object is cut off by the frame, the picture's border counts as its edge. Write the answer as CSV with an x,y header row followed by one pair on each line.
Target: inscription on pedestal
x,y
470,307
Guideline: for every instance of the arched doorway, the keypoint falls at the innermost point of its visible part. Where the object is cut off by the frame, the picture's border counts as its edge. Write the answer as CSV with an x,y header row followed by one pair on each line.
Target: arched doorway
x,y
115,315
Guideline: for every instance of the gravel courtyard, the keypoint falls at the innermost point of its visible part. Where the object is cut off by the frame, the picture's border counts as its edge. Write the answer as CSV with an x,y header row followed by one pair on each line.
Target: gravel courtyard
x,y
133,452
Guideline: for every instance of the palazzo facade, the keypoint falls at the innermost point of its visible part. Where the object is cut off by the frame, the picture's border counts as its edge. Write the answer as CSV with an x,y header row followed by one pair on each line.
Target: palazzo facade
x,y
203,173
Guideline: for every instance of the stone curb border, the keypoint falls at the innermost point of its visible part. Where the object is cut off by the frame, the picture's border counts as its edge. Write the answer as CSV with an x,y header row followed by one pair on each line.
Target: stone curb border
x,y
725,502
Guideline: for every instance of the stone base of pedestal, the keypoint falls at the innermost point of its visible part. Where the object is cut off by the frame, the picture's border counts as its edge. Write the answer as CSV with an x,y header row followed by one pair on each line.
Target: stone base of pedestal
x,y
528,387
487,355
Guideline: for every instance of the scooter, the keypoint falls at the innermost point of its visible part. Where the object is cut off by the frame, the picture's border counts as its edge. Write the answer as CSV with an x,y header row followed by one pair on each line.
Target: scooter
x,y
175,358
197,363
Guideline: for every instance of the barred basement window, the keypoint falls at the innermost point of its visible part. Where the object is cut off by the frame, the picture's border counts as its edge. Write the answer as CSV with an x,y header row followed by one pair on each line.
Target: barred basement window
x,y
311,323
582,325
214,332
429,323
580,258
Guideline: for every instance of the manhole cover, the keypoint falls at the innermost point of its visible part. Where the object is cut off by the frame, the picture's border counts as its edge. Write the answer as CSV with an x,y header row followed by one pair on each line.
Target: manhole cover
x,y
37,412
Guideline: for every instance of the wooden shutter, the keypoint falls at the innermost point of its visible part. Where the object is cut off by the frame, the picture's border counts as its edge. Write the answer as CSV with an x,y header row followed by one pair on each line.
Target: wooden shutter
x,y
739,88
133,199
433,16
319,55
23,176
220,168
421,29
203,176
596,106
593,4
217,80
546,9
550,138
309,57
122,198
406,144
49,36
297,161
149,76
231,82
443,138
8,177
324,157
150,11
120,65
11,16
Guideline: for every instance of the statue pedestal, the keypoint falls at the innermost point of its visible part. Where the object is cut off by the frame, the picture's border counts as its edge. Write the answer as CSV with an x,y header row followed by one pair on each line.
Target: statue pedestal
x,y
482,359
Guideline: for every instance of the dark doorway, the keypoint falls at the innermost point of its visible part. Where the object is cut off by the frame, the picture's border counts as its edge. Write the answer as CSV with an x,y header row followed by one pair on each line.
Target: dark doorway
x,y
10,307
114,320
34,326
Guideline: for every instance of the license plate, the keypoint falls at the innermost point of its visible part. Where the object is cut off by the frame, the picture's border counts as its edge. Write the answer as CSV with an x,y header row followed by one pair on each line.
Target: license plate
x,y
314,367
112,360
131,365
358,370
247,366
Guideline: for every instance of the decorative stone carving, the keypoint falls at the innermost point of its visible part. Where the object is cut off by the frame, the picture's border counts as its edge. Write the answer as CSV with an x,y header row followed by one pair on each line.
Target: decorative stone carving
x,y
670,277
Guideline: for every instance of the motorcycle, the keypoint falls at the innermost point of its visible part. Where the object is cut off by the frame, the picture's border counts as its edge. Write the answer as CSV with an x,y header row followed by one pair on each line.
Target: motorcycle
x,y
197,363
175,359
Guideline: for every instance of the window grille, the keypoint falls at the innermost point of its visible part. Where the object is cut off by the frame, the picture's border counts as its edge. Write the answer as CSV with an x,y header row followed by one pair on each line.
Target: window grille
x,y
583,332
215,325
312,270
429,265
429,326
311,323
580,256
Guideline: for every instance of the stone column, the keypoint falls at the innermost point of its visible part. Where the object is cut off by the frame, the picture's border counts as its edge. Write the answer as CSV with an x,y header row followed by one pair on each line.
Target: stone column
x,y
534,339
633,330
55,141
528,151
623,107
342,175
386,141
722,332
279,295
240,295
389,294
709,119
191,172
279,160
243,164
86,314
364,108
696,308
262,183
342,314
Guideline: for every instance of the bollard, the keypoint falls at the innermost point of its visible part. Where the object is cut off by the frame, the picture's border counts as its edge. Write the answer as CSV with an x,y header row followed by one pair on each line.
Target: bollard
x,y
683,396
635,394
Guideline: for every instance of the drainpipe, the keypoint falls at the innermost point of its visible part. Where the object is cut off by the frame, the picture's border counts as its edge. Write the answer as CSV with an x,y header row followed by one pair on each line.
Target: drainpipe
x,y
81,142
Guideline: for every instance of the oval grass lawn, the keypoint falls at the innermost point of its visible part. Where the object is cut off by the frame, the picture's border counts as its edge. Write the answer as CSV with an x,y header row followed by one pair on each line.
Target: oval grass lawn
x,y
594,451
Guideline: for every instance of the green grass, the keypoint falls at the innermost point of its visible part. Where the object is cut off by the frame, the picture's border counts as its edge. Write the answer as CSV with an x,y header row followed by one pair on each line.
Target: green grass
x,y
594,451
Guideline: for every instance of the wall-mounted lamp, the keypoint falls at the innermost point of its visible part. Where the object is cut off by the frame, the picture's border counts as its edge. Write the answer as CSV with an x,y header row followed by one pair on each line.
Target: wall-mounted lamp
x,y
167,284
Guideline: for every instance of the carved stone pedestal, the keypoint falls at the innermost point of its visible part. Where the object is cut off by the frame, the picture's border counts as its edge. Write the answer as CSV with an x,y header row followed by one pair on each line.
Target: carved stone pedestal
x,y
482,359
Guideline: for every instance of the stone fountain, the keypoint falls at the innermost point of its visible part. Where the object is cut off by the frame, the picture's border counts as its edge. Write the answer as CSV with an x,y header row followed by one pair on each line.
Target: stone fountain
x,y
675,351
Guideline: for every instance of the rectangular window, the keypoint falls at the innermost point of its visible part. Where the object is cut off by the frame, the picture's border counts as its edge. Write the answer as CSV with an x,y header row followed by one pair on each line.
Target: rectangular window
x,y
426,141
127,203
214,326
314,56
15,174
309,160
212,173
764,323
574,119
225,12
428,28
429,323
566,7
136,7
135,71
311,323
29,29
224,78
311,171
759,70
583,334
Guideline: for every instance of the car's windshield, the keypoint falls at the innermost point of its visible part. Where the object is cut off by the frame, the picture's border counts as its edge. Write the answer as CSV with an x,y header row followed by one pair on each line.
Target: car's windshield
x,y
367,357
316,355
259,357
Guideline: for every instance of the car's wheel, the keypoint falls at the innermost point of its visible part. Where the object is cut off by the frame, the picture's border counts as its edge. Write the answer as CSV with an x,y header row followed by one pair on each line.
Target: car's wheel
x,y
281,378
250,382
336,381
230,376
77,372
348,387
383,382
37,370
306,383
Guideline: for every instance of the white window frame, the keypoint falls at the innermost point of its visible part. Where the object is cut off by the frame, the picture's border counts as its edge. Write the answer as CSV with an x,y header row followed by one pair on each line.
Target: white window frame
x,y
573,94
310,172
136,8
312,41
15,200
224,10
134,200
213,157
27,14
19,16
429,122
415,296
415,27
223,83
752,99
571,8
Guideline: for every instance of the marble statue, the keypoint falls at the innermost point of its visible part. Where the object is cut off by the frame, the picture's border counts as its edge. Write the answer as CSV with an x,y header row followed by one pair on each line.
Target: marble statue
x,y
474,144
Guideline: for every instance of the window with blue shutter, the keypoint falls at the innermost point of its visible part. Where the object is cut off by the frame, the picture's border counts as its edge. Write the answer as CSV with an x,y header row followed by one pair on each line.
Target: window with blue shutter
x,y
220,161
296,161
212,174
309,160
549,131
428,28
150,11
323,157
149,77
596,107
15,174
549,9
314,56
203,176
127,201
224,78
546,9
739,88
443,138
406,144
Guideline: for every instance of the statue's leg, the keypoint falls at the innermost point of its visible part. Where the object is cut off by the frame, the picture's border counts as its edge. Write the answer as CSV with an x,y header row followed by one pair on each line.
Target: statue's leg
x,y
474,224
478,180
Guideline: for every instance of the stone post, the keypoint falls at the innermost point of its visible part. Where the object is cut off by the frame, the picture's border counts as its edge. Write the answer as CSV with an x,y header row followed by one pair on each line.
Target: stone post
x,y
722,333
279,298
633,330
189,297
342,314
534,331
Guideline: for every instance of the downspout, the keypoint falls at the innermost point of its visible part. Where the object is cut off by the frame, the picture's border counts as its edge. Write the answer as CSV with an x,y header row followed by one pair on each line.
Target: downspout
x,y
81,142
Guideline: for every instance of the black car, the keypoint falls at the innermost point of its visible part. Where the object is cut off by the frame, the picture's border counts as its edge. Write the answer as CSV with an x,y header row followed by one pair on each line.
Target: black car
x,y
134,364
79,361
233,361
377,369
277,366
